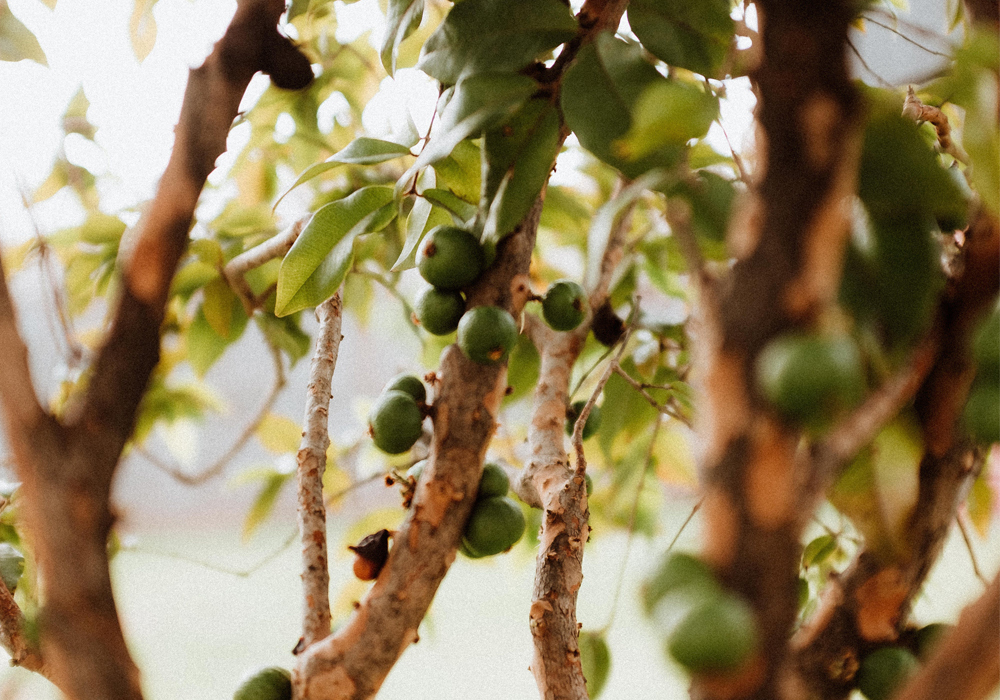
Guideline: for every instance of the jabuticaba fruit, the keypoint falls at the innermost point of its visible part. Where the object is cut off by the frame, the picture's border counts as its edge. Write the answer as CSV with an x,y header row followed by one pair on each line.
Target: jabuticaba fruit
x,y
450,258
486,334
564,305
395,422
439,310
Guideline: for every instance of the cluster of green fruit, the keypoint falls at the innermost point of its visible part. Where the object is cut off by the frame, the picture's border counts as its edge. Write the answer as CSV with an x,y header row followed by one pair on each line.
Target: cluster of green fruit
x,y
718,630
886,670
592,424
496,522
982,410
396,420
811,378
271,683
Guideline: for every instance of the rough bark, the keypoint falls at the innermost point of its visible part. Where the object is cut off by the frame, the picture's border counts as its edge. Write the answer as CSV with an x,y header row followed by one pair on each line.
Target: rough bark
x,y
791,248
311,460
67,467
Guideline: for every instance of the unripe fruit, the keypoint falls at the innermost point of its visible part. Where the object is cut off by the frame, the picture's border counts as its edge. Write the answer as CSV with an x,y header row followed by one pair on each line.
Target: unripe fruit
x,y
929,636
810,378
884,671
486,334
680,573
450,257
408,384
494,481
564,305
593,423
495,525
395,422
439,311
271,683
717,636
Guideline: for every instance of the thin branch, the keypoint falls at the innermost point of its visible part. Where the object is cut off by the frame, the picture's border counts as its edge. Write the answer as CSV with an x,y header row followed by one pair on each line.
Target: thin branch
x,y
864,64
919,112
22,651
311,460
241,573
968,547
665,409
577,439
274,247
869,18
218,466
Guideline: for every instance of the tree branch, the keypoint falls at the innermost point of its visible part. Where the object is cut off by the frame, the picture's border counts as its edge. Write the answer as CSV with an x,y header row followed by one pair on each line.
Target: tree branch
x,y
311,460
274,247
12,637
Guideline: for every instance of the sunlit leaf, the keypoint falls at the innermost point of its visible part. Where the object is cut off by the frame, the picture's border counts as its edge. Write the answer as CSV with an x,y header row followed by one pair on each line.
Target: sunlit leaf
x,y
818,550
422,218
402,19
322,254
495,35
461,172
218,306
460,210
264,502
667,114
192,276
285,334
17,43
75,116
279,435
692,35
361,151
142,28
595,660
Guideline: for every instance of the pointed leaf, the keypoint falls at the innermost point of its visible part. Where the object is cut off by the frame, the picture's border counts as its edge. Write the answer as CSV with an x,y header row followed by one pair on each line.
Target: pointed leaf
x,y
461,173
495,35
402,20
461,210
692,35
361,151
142,28
75,116
264,503
279,435
667,114
478,102
17,43
423,217
322,254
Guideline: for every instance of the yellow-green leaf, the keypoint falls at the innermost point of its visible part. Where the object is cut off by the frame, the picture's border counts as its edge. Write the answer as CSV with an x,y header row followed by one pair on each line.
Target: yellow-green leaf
x,y
279,434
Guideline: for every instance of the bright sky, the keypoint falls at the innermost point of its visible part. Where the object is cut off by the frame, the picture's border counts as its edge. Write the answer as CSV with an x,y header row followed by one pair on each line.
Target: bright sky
x,y
135,105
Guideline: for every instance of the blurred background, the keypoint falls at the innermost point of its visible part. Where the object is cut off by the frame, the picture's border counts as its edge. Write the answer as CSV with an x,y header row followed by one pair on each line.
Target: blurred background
x,y
201,603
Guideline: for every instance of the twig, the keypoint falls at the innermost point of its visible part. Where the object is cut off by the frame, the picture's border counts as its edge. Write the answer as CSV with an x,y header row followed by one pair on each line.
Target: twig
x,y
969,549
274,247
12,637
687,521
864,64
218,466
919,112
665,409
869,18
311,460
241,573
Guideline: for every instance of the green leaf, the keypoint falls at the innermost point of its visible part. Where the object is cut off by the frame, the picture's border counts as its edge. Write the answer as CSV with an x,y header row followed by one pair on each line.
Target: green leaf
x,y
495,35
460,210
422,218
361,151
711,199
193,276
285,334
219,306
264,503
600,92
402,20
518,155
279,435
142,28
75,117
595,660
667,114
461,172
11,566
323,253
100,229
477,103
17,43
819,550
692,35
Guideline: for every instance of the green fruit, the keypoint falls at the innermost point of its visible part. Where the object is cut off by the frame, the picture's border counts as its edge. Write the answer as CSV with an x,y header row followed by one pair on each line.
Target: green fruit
x,y
593,423
564,305
467,551
982,412
494,481
929,636
884,671
408,384
395,422
810,378
595,658
486,334
271,683
717,636
439,311
450,257
495,525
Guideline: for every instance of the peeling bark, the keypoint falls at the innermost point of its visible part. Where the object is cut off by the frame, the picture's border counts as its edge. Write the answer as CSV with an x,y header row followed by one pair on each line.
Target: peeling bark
x,y
311,460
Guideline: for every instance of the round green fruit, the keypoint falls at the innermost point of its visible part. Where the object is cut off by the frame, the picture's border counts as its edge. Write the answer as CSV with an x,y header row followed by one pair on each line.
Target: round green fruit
x,y
495,525
271,683
593,423
680,573
929,636
564,305
717,636
595,658
884,671
408,384
810,378
395,422
439,311
494,481
467,551
450,257
486,334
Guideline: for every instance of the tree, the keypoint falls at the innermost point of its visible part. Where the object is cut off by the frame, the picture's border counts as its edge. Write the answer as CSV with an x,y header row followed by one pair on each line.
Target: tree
x,y
842,343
